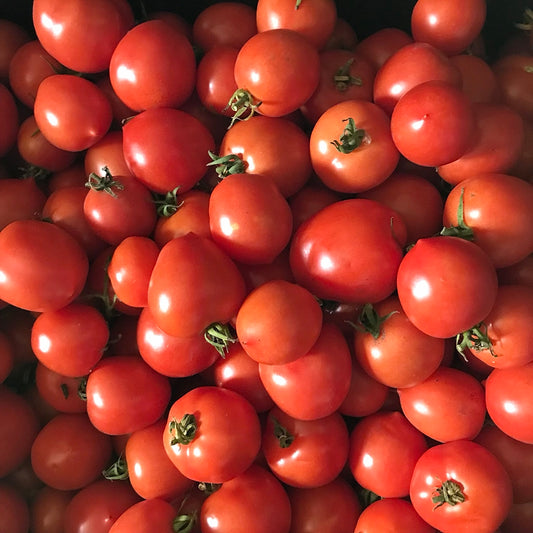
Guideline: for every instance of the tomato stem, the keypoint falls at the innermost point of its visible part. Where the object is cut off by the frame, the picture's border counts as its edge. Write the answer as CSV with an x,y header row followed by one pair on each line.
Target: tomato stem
x,y
343,79
168,204
351,138
182,431
449,492
220,336
298,2
226,164
105,183
369,321
461,229
476,338
208,488
285,438
117,471
243,104
184,523
82,389
527,23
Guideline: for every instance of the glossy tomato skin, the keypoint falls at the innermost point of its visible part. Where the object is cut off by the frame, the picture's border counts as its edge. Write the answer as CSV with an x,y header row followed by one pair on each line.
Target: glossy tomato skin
x,y
114,405
193,284
226,439
153,65
62,272
71,112
153,515
481,478
61,29
435,274
349,251
47,510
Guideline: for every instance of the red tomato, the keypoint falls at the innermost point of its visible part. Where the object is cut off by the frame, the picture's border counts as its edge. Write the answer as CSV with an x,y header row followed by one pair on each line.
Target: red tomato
x,y
451,26
254,501
193,285
161,140
436,274
10,122
519,518
47,510
106,153
452,484
15,516
381,44
69,452
351,146
12,36
20,199
479,80
62,272
315,384
343,36
142,69
423,115
265,70
520,273
114,404
314,19
349,251
212,434
153,515
510,401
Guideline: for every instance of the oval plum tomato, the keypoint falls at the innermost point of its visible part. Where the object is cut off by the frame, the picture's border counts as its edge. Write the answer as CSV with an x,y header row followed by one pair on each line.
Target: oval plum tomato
x,y
15,516
433,124
351,146
10,123
172,356
114,404
261,143
315,384
295,450
391,514
409,66
314,19
448,405
311,508
19,199
212,434
193,285
167,148
349,251
69,452
459,487
151,473
48,508
249,218
19,426
278,322
153,65
153,515
479,80
130,269
497,210
451,26
276,72
385,442
435,274
490,151
252,501
62,272
510,401
71,112
60,28
391,349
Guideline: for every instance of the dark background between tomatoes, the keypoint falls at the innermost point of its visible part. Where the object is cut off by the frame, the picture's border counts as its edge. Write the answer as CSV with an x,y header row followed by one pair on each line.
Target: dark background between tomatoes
x,y
366,16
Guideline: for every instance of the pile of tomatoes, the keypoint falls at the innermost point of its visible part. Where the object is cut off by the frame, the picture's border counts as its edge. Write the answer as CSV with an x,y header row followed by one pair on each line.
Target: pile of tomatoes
x,y
259,275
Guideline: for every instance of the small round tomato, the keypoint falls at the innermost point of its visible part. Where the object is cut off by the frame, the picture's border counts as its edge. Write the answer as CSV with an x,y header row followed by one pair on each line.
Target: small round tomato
x,y
212,434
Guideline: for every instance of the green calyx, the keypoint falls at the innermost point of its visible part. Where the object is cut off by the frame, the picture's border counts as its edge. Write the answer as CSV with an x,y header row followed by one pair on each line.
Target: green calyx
x,y
475,338
117,471
168,204
449,493
343,79
461,229
351,138
105,183
182,431
243,105
221,337
226,164
369,321
285,438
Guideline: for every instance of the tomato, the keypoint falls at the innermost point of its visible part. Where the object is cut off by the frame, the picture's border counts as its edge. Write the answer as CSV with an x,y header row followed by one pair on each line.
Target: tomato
x,y
252,502
47,510
62,30
259,143
497,209
63,266
153,515
391,514
460,486
212,434
12,36
409,66
391,349
510,402
278,322
10,123
278,69
193,284
479,80
351,146
18,428
311,508
142,69
72,176
97,506
151,473
106,153
349,251
166,148
314,19
169,355
432,22
520,273
20,199
519,518
113,403
69,452
435,274
15,516
315,384
343,36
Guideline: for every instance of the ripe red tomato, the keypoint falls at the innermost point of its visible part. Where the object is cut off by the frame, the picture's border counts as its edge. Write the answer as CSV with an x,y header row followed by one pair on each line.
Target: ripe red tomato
x,y
381,44
479,80
212,434
106,153
153,515
452,486
20,199
48,508
15,516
